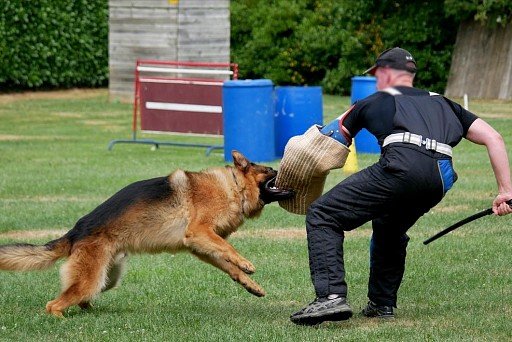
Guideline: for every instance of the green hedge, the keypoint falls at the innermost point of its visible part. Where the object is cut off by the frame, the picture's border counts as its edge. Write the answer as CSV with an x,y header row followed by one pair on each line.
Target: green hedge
x,y
64,43
53,43
308,42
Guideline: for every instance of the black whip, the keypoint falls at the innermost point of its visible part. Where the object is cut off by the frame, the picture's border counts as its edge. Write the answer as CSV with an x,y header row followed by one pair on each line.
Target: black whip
x,y
461,223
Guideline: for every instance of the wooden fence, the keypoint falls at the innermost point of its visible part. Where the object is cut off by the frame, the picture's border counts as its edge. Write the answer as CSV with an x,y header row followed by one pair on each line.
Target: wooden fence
x,y
177,30
481,63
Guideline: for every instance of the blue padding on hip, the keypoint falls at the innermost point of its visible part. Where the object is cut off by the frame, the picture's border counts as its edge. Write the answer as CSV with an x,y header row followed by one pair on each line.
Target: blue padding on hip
x,y
448,175
332,129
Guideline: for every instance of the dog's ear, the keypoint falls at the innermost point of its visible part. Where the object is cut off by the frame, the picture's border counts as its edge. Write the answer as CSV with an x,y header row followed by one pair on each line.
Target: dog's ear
x,y
240,161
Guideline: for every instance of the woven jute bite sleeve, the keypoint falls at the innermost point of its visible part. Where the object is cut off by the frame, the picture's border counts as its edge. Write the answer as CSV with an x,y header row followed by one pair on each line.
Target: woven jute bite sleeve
x,y
306,162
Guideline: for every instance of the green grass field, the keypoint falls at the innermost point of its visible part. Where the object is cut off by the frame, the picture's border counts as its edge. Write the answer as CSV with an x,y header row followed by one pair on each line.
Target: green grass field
x,y
55,168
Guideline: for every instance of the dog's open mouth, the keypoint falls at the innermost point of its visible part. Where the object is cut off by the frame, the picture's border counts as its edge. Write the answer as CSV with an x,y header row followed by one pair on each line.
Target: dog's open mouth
x,y
271,183
270,193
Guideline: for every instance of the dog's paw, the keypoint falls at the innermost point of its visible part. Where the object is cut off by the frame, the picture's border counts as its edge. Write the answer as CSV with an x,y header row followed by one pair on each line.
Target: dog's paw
x,y
247,267
54,312
257,291
250,285
53,307
58,314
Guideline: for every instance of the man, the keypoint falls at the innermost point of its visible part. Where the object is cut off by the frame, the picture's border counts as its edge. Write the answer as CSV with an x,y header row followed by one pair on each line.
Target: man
x,y
416,130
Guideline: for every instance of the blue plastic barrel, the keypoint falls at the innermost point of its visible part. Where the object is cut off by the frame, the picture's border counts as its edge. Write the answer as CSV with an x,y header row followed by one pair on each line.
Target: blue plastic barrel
x,y
248,119
297,109
363,86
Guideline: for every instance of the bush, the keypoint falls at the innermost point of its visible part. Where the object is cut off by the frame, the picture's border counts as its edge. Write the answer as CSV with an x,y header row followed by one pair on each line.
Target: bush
x,y
308,42
53,43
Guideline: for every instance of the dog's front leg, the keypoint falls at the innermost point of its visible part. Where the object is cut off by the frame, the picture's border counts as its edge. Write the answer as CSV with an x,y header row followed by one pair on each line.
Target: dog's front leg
x,y
234,272
203,240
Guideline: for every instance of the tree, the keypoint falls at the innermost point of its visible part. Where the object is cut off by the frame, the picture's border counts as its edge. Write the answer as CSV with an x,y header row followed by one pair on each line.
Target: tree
x,y
306,42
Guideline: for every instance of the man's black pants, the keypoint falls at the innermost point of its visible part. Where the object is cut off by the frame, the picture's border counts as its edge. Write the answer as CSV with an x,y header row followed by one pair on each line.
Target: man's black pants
x,y
393,194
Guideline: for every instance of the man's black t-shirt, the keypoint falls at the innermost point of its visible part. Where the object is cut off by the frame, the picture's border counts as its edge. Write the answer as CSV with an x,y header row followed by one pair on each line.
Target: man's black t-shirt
x,y
376,113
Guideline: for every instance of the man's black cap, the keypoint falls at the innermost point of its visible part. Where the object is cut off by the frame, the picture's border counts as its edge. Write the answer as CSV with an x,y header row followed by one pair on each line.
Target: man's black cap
x,y
394,58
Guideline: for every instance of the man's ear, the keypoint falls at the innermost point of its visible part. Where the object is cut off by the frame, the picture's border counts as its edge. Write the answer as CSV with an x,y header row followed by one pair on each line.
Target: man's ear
x,y
240,161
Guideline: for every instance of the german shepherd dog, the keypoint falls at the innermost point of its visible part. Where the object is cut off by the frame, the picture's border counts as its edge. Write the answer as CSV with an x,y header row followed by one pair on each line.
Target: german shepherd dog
x,y
184,211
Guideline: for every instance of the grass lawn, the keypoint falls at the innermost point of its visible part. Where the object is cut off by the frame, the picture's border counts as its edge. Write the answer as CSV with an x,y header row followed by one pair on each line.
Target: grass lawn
x,y
55,168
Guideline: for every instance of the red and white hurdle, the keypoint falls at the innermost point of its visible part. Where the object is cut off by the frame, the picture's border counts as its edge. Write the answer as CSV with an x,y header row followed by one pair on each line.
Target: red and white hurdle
x,y
178,97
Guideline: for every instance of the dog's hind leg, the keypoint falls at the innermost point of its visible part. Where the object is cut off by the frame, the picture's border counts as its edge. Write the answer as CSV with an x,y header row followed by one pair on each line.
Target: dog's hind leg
x,y
114,274
115,271
234,272
83,276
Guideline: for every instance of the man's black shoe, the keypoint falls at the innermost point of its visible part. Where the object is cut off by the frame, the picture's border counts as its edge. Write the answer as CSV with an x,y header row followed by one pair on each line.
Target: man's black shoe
x,y
378,311
323,309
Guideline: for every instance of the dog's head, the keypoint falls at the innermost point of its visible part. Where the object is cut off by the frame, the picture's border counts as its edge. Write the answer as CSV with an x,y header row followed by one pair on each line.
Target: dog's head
x,y
259,174
262,177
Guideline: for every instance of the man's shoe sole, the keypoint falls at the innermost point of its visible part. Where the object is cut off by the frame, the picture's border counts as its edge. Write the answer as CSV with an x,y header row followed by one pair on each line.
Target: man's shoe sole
x,y
379,316
383,317
322,317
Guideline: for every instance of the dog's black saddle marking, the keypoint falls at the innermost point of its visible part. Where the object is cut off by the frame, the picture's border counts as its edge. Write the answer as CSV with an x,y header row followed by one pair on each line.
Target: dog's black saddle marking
x,y
155,189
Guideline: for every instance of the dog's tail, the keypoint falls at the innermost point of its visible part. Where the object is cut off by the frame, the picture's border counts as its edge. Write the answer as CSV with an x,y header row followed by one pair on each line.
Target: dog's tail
x,y
28,257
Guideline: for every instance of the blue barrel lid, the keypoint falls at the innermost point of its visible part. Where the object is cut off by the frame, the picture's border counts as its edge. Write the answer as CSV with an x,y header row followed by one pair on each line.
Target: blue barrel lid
x,y
305,87
248,83
364,78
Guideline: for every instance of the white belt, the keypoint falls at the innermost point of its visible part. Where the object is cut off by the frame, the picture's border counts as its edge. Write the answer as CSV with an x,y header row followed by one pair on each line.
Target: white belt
x,y
415,139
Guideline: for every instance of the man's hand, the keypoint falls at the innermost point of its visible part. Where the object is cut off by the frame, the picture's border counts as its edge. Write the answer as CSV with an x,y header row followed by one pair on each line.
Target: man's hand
x,y
500,206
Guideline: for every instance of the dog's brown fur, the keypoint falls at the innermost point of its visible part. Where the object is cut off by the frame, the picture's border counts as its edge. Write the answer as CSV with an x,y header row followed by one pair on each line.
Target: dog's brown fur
x,y
185,211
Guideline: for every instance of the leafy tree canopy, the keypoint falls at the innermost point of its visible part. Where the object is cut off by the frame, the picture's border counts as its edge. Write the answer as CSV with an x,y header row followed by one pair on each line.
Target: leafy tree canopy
x,y
316,42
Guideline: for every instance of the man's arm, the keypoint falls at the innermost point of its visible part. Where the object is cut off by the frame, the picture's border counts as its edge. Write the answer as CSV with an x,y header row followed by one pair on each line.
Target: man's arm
x,y
482,133
336,130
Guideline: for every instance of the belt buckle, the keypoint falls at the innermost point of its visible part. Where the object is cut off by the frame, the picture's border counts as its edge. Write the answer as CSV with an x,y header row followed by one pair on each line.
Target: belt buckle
x,y
406,137
430,144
